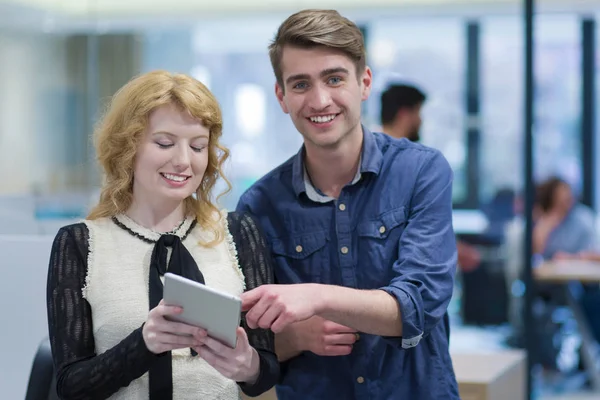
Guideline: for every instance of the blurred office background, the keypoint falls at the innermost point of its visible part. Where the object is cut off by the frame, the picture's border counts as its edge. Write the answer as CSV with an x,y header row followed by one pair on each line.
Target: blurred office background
x,y
61,60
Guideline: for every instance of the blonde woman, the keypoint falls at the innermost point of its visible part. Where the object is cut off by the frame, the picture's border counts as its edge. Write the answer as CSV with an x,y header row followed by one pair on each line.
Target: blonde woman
x,y
158,145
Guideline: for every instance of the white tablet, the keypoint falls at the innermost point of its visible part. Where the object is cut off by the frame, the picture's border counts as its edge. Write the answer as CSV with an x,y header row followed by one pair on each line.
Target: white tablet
x,y
216,311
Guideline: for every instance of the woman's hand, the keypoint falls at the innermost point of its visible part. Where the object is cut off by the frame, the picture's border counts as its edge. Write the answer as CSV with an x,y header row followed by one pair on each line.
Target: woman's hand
x,y
542,230
241,364
162,335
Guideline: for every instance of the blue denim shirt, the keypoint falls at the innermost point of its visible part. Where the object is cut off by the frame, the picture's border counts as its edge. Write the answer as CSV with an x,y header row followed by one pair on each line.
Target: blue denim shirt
x,y
390,229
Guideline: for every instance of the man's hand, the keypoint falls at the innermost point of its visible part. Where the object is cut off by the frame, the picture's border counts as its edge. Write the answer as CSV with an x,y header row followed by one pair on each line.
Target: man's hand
x,y
277,306
468,256
322,337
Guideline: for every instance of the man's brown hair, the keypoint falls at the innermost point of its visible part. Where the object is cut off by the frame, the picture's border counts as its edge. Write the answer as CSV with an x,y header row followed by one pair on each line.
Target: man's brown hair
x,y
313,28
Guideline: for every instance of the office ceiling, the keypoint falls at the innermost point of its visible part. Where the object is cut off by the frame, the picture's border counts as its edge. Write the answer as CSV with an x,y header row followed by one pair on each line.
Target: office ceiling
x,y
73,16
129,8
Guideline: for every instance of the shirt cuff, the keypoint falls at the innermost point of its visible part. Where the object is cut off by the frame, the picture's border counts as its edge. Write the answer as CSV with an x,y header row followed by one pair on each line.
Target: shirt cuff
x,y
268,375
412,320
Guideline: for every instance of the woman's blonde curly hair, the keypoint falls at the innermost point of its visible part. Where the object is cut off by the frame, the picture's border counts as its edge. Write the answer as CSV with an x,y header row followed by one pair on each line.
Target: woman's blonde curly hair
x,y
122,128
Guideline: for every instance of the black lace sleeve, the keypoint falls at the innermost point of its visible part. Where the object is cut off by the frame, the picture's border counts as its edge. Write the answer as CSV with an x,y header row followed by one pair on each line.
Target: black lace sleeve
x,y
255,260
80,373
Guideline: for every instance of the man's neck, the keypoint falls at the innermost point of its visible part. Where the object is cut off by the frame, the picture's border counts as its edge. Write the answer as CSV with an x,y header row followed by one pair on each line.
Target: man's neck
x,y
397,132
332,169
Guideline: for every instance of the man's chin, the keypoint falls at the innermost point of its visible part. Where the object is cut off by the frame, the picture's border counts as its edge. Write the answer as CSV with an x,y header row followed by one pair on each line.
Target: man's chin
x,y
322,139
414,137
324,143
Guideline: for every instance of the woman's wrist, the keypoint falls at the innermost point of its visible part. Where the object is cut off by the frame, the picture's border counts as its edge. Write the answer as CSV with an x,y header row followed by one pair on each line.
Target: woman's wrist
x,y
254,369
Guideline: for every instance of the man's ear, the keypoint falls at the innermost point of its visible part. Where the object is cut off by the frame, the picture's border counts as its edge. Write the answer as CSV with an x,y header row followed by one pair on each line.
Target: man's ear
x,y
366,81
279,93
400,116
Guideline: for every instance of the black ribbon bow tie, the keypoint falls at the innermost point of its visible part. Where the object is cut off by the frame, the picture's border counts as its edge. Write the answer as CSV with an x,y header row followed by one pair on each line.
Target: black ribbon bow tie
x,y
181,263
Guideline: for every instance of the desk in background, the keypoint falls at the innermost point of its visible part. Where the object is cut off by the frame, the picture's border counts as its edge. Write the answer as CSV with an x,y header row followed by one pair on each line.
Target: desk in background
x,y
498,375
566,272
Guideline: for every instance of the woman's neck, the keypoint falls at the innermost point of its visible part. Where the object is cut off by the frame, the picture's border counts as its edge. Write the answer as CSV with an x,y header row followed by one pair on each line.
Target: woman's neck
x,y
163,219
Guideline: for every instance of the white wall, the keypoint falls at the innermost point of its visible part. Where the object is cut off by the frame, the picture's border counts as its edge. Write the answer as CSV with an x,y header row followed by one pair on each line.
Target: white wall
x,y
32,111
24,266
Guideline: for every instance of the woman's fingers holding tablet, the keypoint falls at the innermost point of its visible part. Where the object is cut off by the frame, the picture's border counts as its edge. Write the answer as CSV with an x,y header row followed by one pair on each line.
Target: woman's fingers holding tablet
x,y
162,334
241,364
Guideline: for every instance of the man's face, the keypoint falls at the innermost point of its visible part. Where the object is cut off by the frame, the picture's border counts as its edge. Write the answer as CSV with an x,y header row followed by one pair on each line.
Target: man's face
x,y
413,122
322,94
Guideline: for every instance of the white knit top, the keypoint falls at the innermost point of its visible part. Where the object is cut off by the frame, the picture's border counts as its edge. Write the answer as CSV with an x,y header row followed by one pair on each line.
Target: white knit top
x,y
117,290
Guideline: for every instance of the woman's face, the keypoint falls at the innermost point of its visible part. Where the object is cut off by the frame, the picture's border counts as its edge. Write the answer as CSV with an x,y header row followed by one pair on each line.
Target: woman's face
x,y
172,157
563,198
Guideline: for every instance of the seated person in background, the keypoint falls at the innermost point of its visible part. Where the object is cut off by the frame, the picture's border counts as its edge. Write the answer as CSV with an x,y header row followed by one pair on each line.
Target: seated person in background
x,y
109,329
561,224
401,118
562,228
565,229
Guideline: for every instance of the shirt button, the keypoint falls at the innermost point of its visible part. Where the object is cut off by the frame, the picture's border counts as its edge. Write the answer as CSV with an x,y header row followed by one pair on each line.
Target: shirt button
x,y
342,207
344,250
360,379
382,229
298,249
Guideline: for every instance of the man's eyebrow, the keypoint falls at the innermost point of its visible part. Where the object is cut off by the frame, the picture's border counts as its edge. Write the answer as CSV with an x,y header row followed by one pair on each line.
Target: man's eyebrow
x,y
324,73
297,77
331,71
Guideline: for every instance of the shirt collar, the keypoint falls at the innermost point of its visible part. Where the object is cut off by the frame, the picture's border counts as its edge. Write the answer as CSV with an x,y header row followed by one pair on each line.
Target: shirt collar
x,y
371,159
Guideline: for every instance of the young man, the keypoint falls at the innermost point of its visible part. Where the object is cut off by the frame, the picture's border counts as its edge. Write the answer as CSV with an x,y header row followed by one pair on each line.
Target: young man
x,y
401,118
360,227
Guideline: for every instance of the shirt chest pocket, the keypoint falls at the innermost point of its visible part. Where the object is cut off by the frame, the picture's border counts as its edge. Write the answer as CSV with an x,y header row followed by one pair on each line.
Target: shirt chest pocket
x,y
301,258
379,240
381,227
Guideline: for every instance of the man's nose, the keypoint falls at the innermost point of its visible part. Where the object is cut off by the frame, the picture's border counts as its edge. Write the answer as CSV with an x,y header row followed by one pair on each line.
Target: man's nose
x,y
320,98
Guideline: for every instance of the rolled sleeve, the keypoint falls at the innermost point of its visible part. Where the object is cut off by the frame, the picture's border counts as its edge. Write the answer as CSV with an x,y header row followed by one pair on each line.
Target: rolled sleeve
x,y
424,271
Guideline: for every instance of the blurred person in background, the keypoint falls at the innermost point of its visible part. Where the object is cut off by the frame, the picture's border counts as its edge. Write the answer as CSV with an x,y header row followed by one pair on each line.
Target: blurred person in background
x,y
110,332
563,228
356,247
566,229
563,225
401,106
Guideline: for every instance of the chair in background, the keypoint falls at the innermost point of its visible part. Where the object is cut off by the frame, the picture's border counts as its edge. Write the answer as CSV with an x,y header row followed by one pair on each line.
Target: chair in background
x,y
42,381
